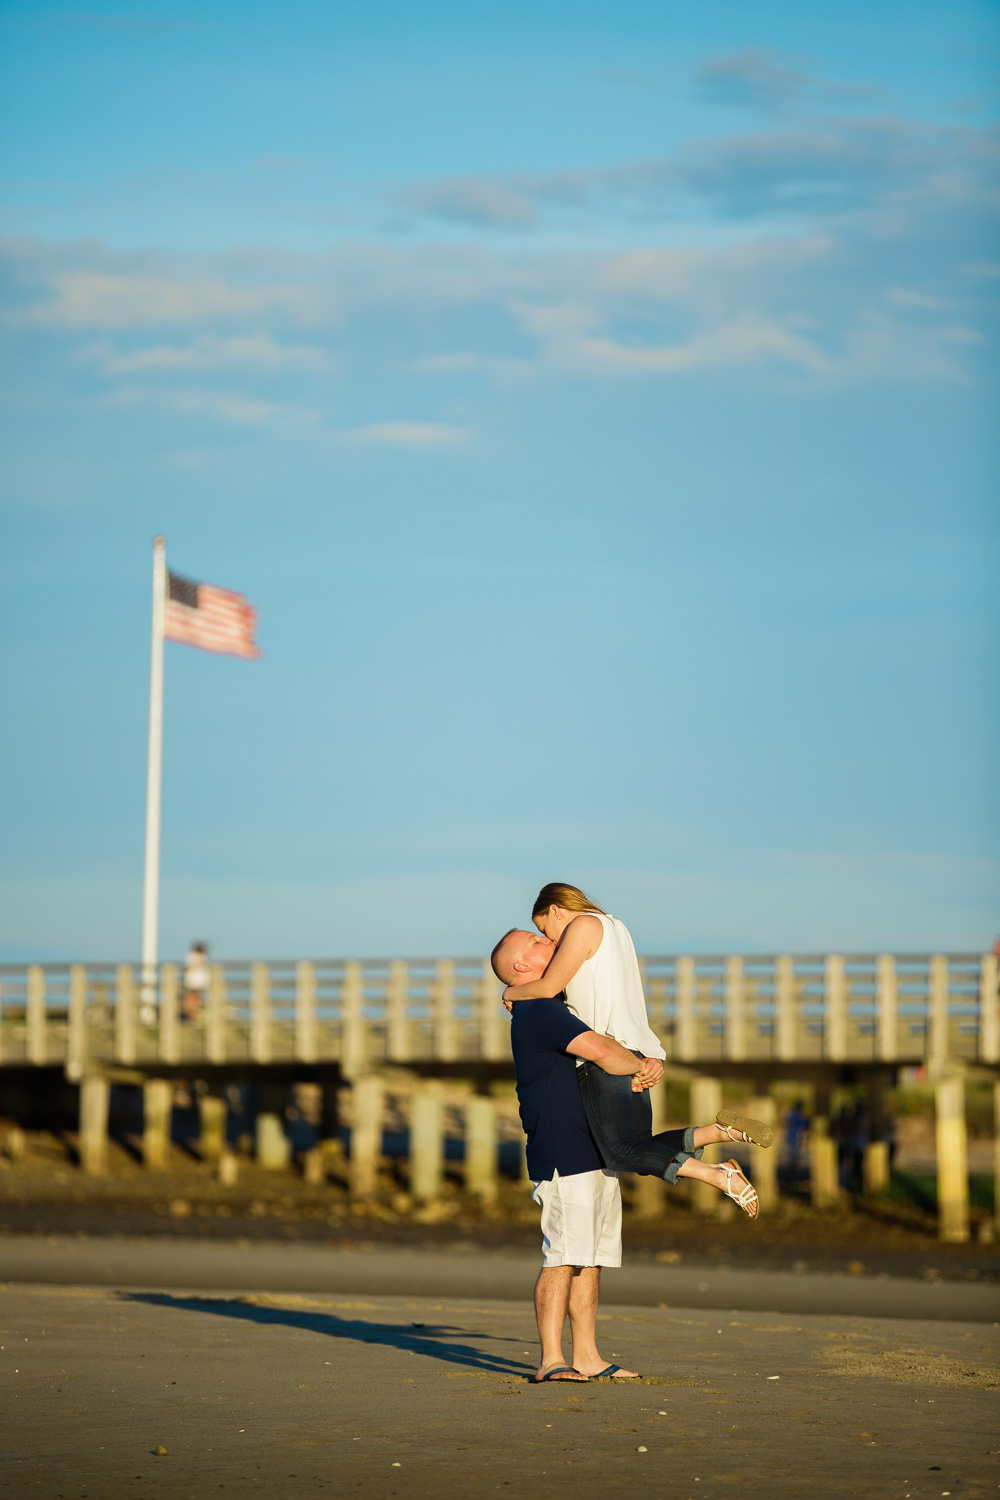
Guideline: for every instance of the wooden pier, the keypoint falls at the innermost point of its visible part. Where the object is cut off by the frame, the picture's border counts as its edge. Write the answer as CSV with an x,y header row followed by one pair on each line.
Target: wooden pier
x,y
823,1019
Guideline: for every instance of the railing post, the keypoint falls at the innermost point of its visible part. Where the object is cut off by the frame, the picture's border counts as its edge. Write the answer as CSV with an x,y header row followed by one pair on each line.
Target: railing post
x,y
76,1038
685,999
706,1101
834,1008
493,1020
305,1012
367,1095
353,1049
887,1007
170,1021
35,1014
952,1159
260,1013
481,1147
784,1008
989,1012
445,1038
215,1015
95,1095
938,1048
125,1018
157,1114
736,1013
426,1141
397,993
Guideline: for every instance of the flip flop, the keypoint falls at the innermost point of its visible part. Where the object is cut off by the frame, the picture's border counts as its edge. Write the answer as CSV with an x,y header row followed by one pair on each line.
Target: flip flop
x,y
560,1370
609,1372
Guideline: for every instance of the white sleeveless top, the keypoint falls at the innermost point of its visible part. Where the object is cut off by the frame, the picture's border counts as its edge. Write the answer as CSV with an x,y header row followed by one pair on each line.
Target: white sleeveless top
x,y
606,992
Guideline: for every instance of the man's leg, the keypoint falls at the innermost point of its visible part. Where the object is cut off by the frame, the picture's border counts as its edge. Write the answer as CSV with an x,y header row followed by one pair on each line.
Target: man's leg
x,y
552,1290
584,1292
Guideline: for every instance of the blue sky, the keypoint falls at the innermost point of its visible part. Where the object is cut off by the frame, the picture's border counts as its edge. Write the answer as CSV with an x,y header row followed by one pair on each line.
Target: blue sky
x,y
596,403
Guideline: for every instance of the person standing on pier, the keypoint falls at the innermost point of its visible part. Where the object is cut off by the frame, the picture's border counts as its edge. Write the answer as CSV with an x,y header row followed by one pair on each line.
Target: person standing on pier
x,y
594,961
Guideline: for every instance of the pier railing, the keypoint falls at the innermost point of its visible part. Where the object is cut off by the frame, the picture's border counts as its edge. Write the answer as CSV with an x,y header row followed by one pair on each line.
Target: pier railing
x,y
806,1008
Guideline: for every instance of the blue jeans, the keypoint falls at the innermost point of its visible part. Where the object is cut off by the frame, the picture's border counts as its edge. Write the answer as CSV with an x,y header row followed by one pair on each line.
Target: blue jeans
x,y
621,1123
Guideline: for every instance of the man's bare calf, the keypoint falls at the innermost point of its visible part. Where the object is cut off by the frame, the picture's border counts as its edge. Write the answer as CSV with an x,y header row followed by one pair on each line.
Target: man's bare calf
x,y
572,1291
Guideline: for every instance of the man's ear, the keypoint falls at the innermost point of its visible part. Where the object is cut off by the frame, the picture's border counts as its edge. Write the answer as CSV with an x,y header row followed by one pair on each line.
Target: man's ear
x,y
519,966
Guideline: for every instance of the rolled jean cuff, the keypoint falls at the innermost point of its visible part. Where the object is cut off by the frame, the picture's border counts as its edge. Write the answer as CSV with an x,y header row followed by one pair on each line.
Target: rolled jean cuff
x,y
690,1151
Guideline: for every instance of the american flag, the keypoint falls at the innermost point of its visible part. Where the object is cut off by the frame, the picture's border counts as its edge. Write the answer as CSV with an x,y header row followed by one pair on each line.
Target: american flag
x,y
199,614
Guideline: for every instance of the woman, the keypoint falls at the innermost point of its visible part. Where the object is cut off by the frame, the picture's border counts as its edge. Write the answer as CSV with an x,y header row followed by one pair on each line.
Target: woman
x,y
595,963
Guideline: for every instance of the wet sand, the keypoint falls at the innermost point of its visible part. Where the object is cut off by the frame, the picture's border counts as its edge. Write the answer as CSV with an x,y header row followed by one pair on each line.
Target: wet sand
x,y
470,1270
291,1394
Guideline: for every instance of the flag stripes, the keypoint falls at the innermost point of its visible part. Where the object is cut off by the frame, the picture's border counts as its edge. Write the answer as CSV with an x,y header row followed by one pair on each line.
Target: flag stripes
x,y
213,619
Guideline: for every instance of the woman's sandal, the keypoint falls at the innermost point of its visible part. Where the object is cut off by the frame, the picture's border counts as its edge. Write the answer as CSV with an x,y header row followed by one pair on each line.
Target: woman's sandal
x,y
744,1128
747,1198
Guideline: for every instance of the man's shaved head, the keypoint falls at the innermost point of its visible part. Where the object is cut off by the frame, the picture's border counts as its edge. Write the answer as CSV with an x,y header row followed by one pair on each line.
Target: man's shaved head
x,y
503,955
520,956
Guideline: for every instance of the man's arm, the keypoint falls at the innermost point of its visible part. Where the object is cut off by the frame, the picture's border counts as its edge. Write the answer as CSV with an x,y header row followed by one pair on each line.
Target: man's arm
x,y
608,1054
579,942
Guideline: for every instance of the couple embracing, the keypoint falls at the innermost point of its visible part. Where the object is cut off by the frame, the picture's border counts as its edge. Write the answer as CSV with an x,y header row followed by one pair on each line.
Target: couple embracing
x,y
584,1058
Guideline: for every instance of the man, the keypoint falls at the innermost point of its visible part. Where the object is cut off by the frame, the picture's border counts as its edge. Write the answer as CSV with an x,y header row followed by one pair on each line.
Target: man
x,y
580,1200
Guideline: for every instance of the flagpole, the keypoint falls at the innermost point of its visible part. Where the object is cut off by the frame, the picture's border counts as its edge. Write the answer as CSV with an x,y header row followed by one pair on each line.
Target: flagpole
x,y
154,778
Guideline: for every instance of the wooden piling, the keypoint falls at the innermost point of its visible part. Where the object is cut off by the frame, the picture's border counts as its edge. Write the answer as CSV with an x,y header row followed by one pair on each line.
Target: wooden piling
x,y
481,1147
952,1160
824,1187
213,1118
875,1172
367,1095
274,1149
650,1192
706,1101
157,1114
95,1099
764,1161
426,1142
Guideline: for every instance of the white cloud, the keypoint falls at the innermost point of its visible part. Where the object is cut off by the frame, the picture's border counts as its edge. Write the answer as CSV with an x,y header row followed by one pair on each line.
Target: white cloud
x,y
101,299
408,435
256,351
217,405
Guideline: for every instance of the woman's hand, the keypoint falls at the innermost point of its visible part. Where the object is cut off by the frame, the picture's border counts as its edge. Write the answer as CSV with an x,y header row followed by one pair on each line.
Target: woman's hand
x,y
651,1072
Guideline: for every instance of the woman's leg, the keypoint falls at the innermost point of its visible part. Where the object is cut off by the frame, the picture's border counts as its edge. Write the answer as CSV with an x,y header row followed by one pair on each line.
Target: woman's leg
x,y
621,1123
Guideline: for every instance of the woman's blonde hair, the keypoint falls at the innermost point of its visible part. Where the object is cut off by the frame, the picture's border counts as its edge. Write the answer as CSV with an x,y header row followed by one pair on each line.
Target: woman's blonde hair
x,y
569,897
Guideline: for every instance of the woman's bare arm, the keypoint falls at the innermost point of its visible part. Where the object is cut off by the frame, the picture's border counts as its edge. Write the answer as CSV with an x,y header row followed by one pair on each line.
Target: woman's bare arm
x,y
580,941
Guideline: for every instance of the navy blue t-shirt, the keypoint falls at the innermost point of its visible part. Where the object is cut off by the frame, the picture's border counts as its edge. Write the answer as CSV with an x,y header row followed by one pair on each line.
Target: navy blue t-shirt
x,y
559,1138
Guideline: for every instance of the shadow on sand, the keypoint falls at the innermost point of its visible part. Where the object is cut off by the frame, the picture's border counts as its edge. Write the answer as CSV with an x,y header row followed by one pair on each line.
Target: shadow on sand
x,y
437,1341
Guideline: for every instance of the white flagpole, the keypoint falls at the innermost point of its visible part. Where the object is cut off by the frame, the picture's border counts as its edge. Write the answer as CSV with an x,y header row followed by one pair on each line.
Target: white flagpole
x,y
154,778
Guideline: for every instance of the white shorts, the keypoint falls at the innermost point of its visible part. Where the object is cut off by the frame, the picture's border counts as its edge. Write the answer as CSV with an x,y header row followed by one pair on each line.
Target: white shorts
x,y
581,1219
